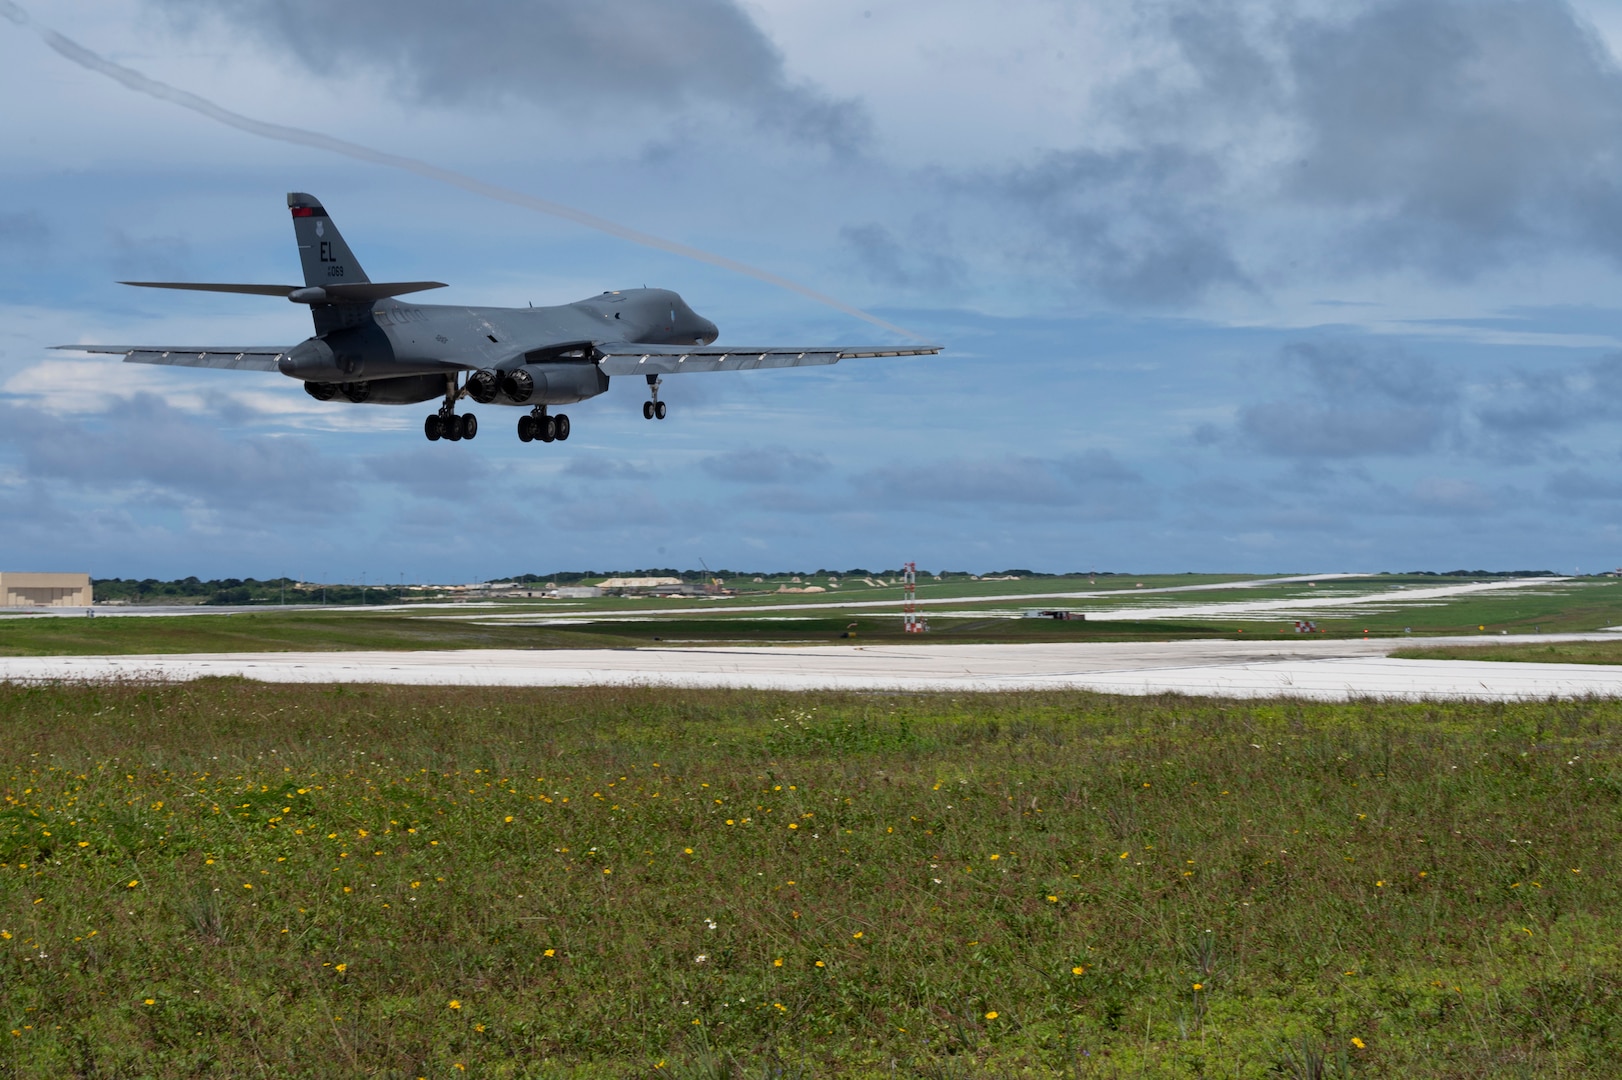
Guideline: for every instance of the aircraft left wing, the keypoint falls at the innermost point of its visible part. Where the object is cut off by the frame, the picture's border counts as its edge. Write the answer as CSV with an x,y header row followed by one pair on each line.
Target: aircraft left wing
x,y
236,358
638,358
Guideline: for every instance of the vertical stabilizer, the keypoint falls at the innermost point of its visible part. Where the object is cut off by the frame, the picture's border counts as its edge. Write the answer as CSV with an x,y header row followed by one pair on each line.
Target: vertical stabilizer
x,y
327,259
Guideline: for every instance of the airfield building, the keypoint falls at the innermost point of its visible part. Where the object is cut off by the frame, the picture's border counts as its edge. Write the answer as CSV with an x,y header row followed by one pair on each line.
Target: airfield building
x,y
45,590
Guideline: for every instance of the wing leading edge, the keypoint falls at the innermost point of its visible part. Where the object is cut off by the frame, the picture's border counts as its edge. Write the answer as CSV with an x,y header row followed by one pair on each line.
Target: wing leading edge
x,y
235,358
637,358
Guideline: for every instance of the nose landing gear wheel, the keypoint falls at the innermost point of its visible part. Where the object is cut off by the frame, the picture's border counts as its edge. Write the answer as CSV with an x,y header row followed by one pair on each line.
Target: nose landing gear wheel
x,y
647,410
561,426
432,427
526,428
658,410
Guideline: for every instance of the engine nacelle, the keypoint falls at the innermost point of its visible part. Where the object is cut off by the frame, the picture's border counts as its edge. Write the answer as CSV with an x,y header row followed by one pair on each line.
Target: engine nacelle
x,y
483,386
402,390
519,385
552,384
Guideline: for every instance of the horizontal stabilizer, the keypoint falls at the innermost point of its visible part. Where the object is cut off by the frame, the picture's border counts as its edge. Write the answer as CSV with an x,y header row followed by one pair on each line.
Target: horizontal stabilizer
x,y
636,358
235,358
350,293
204,286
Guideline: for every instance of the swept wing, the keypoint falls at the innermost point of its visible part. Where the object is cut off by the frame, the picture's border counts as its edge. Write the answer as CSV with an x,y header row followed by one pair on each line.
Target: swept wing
x,y
639,358
235,358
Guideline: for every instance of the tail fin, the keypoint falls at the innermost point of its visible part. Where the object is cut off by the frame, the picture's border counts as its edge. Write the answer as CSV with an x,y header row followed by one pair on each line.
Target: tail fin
x,y
327,259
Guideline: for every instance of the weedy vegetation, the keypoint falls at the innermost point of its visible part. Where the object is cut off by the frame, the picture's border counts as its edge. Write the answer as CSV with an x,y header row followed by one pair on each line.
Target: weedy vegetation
x,y
227,879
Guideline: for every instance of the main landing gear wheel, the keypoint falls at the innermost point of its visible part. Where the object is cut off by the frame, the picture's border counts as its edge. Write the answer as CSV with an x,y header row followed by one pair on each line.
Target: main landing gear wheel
x,y
546,428
432,427
647,410
561,426
658,410
526,428
470,426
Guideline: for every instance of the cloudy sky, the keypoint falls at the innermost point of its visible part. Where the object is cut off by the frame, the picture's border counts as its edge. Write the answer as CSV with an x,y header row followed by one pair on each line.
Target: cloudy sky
x,y
1223,284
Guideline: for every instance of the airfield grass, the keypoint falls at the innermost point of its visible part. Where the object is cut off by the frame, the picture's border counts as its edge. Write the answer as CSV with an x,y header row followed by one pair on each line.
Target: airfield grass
x,y
1561,652
320,632
225,878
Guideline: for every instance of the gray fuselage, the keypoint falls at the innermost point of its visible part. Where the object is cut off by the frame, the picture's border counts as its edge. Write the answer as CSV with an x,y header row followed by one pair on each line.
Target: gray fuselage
x,y
389,352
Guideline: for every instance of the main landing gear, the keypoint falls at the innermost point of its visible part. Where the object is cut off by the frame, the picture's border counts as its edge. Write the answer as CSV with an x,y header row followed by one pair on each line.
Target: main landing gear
x,y
654,409
538,426
450,427
445,424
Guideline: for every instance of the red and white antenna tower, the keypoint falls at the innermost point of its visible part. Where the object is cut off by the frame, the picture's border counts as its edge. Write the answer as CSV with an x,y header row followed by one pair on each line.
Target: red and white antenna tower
x,y
909,600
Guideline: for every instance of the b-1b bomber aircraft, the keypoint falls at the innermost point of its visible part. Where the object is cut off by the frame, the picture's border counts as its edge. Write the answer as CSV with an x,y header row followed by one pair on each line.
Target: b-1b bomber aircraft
x,y
371,348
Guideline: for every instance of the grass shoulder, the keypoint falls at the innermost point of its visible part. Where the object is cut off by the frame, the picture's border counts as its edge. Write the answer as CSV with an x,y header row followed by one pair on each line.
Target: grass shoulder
x,y
1564,652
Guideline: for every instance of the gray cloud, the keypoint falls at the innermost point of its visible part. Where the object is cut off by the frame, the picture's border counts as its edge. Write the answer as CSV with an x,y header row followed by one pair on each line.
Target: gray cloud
x,y
608,467
1093,482
763,465
428,474
1354,399
1538,404
22,230
1582,486
1451,136
914,263
141,445
1139,226
1459,130
587,58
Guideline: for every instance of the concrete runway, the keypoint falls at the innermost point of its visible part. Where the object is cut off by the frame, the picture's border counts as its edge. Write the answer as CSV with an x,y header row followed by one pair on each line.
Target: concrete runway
x,y
1308,667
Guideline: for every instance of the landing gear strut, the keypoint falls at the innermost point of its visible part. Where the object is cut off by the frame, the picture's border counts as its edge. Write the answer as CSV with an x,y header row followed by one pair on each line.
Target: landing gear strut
x,y
446,424
653,409
538,426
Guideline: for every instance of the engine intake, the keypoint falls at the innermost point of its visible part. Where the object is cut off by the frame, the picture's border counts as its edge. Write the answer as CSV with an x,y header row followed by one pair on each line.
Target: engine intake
x,y
518,384
321,391
482,386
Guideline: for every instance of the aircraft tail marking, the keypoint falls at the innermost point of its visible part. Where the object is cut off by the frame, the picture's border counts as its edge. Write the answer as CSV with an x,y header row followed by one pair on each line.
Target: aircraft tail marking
x,y
327,259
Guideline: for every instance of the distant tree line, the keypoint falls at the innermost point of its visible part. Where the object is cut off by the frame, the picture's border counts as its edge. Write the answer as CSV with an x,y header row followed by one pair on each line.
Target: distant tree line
x,y
235,591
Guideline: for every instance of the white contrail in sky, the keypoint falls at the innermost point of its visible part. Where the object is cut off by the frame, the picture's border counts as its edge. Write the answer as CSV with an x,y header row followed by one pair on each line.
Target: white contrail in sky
x,y
282,133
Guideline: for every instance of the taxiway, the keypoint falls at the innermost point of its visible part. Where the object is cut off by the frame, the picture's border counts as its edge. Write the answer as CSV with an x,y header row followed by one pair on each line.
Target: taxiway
x,y
1318,668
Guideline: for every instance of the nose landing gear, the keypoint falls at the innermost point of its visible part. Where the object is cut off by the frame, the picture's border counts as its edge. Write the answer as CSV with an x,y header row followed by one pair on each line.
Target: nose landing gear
x,y
653,409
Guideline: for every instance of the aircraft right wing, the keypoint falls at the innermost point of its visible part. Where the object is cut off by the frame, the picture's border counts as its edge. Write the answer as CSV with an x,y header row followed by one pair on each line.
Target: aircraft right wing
x,y
637,358
236,358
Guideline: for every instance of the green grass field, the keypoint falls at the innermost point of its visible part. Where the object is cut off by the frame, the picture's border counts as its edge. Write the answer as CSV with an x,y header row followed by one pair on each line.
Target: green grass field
x,y
1587,604
1563,652
225,879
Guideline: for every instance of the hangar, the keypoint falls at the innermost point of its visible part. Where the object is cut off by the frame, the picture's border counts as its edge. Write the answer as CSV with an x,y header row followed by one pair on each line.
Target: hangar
x,y
45,590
